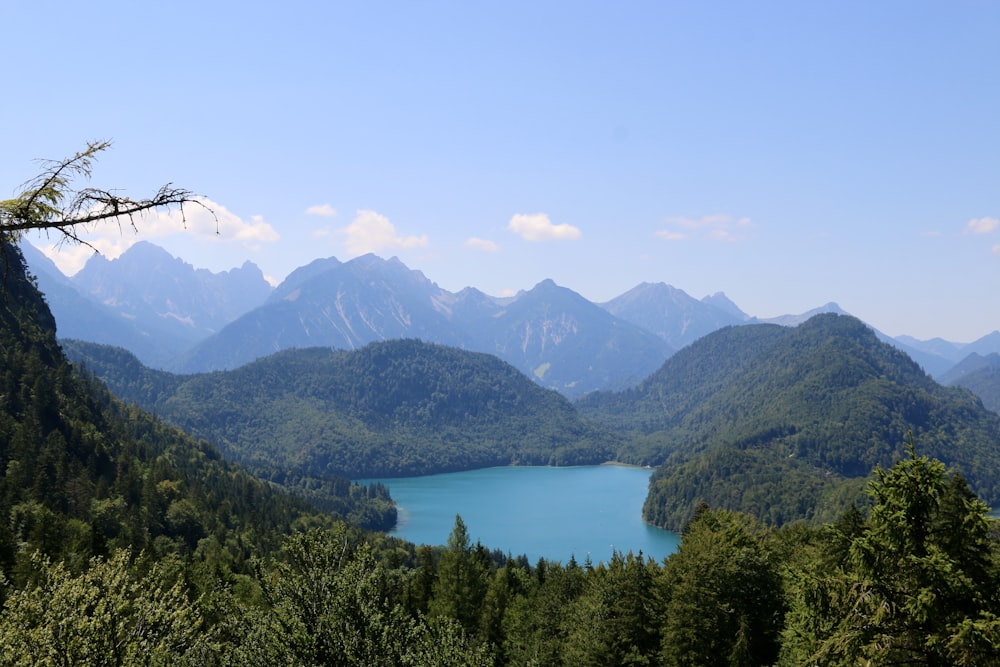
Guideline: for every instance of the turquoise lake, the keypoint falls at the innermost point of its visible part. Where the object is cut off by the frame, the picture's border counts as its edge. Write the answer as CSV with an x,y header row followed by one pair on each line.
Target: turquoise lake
x,y
545,512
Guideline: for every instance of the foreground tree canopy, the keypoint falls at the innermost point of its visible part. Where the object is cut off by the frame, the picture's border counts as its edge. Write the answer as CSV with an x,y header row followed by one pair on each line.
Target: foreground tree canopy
x,y
913,582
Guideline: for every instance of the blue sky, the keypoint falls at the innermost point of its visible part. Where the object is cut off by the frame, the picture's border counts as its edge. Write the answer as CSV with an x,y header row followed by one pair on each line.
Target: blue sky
x,y
786,153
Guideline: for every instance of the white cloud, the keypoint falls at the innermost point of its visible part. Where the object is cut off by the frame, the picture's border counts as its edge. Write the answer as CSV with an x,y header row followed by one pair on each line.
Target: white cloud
x,y
981,225
322,210
719,227
538,227
372,232
481,244
256,231
211,219
996,250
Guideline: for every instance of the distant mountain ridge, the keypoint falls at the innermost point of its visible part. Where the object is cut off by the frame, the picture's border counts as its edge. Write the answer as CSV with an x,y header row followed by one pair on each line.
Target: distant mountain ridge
x,y
148,284
332,304
672,314
550,333
174,316
981,375
146,300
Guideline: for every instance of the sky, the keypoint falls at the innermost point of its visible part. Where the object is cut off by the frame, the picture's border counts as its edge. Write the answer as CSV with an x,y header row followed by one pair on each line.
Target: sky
x,y
788,154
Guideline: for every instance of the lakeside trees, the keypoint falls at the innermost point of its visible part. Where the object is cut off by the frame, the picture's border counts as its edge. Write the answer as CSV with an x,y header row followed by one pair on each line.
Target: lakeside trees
x,y
915,581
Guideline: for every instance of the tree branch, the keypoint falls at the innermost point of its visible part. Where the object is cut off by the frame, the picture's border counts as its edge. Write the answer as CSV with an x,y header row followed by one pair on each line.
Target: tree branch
x,y
39,206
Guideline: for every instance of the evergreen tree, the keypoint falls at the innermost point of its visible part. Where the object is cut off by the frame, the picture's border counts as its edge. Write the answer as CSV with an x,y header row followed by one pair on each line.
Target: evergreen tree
x,y
916,586
723,595
462,580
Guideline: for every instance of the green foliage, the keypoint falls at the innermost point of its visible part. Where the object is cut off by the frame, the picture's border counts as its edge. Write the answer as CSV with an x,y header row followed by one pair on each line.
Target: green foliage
x,y
111,614
124,541
723,595
43,199
616,619
329,602
537,625
391,409
84,474
916,584
50,202
785,423
462,579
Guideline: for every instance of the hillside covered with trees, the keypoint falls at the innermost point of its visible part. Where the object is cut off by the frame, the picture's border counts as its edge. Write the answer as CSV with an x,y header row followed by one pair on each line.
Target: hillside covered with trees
x,y
981,375
397,408
84,474
787,423
781,423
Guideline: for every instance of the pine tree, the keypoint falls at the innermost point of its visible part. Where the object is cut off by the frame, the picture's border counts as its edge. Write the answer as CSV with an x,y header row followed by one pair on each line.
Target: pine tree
x,y
915,586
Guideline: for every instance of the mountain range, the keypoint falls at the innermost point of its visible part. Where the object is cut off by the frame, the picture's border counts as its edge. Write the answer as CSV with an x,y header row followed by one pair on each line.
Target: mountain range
x,y
175,317
784,423
981,375
146,301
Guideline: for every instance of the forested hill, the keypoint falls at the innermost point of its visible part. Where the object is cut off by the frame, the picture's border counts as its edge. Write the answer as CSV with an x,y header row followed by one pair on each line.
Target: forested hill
x,y
83,474
786,423
394,408
979,374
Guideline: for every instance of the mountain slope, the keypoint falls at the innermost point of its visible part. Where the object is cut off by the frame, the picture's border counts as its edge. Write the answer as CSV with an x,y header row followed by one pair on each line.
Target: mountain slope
x,y
786,423
393,408
979,374
147,301
329,304
85,474
672,314
550,333
570,344
169,297
939,356
80,316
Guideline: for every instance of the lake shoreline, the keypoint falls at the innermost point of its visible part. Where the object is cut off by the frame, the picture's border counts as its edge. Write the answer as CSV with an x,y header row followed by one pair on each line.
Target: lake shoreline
x,y
550,512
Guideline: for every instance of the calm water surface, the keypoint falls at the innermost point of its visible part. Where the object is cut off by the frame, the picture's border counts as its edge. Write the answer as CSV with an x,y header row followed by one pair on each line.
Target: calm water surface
x,y
553,513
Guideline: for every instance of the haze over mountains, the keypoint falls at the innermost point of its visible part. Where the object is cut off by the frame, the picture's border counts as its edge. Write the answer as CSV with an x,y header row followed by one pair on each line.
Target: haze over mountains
x,y
146,301
175,317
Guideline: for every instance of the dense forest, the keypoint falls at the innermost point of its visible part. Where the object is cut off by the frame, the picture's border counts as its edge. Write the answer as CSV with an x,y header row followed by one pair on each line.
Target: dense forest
x,y
390,409
130,543
787,423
